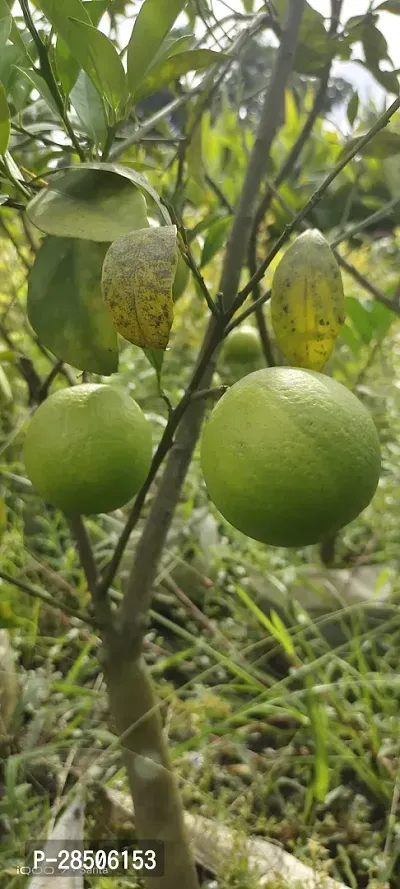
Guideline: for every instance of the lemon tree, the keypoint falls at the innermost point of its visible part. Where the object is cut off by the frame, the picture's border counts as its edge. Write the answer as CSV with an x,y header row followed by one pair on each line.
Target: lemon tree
x,y
289,456
88,449
242,346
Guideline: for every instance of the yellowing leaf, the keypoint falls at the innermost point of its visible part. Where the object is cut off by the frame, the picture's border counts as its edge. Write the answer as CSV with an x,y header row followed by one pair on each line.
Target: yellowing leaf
x,y
307,301
137,279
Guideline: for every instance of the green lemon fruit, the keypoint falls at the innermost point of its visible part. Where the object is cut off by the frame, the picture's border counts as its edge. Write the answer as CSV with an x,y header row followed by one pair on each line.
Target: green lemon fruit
x,y
181,279
242,345
88,449
289,456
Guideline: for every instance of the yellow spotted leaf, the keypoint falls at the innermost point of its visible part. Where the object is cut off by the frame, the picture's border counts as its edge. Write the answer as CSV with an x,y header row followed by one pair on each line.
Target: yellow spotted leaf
x,y
307,301
137,279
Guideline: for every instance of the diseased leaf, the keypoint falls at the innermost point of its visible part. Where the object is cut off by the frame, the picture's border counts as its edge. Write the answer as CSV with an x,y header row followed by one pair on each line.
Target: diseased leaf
x,y
153,24
95,205
94,201
137,278
175,67
5,126
89,108
65,305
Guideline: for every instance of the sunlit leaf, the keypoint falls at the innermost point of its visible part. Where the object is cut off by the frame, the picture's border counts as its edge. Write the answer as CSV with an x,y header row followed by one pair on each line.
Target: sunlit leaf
x,y
94,204
65,305
100,60
96,201
153,24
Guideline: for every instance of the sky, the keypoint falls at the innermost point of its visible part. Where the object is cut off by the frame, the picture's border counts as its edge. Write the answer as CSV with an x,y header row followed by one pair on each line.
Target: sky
x,y
389,24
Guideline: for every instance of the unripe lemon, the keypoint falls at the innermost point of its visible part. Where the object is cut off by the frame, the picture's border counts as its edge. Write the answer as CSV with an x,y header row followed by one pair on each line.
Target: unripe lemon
x,y
242,345
88,449
289,456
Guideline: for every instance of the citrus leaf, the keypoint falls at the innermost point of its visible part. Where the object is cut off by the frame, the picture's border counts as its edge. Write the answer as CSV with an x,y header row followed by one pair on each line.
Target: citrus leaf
x,y
67,66
171,47
38,83
85,99
5,127
5,23
153,24
94,204
389,6
352,108
65,306
216,237
360,318
174,67
99,58
384,144
103,198
137,279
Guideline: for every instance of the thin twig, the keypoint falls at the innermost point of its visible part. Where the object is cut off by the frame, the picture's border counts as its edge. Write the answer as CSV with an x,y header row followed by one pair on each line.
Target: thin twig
x,y
36,593
315,198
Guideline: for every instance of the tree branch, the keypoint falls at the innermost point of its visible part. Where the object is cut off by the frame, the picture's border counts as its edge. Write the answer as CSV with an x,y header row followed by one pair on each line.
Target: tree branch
x,y
138,596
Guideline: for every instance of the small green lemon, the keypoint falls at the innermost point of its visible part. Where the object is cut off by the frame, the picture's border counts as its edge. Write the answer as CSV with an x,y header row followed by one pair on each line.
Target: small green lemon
x,y
289,456
242,345
88,449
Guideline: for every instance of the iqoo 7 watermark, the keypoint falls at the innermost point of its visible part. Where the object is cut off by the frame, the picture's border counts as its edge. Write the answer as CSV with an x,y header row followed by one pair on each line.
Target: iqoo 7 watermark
x,y
56,858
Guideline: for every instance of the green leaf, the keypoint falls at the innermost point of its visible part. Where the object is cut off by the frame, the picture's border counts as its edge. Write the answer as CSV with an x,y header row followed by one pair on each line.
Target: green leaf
x,y
39,84
175,67
66,308
360,318
314,46
352,108
387,79
59,15
94,201
5,126
96,10
385,144
216,238
153,24
156,358
5,23
389,6
374,45
3,198
99,58
89,108
67,66
171,47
